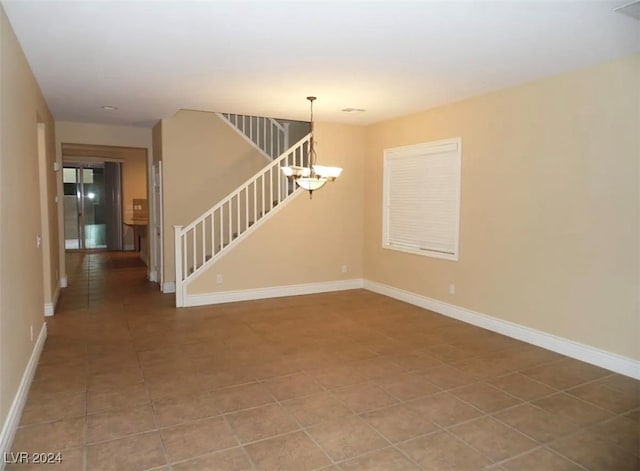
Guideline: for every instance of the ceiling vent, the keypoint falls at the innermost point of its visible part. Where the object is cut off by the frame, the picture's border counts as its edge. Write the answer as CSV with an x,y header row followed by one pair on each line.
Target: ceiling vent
x,y
631,9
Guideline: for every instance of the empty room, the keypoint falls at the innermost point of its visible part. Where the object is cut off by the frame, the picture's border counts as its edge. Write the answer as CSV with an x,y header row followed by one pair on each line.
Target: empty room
x,y
320,235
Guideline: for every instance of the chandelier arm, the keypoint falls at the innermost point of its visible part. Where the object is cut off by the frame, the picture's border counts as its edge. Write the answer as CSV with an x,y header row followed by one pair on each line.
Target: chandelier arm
x,y
311,178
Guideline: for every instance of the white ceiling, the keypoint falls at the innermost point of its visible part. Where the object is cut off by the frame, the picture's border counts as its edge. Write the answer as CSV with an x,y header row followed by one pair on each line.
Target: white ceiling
x,y
151,58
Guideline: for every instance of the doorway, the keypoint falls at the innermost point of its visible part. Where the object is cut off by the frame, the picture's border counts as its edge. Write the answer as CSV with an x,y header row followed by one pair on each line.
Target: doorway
x,y
158,266
92,206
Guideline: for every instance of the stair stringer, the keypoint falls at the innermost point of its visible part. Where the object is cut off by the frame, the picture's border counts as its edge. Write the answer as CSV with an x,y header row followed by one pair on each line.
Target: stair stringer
x,y
226,117
194,240
238,240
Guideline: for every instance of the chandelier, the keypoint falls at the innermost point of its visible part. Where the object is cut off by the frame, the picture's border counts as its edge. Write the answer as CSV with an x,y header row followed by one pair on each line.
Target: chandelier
x,y
313,177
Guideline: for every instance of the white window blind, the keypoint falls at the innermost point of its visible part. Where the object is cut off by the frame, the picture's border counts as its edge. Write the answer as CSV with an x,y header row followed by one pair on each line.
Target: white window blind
x,y
422,198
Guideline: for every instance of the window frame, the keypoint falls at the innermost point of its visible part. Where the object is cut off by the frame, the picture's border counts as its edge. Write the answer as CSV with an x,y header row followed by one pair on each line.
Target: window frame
x,y
423,149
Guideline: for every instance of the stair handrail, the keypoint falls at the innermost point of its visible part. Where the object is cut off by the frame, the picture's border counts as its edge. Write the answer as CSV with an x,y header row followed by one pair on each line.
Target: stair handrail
x,y
184,243
258,138
241,187
273,121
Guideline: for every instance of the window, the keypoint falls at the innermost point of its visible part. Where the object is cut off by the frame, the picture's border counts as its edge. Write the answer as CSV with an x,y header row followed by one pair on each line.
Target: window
x,y
422,198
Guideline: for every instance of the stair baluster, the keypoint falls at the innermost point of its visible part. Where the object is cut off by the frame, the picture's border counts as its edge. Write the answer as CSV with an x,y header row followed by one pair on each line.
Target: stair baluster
x,y
269,135
201,243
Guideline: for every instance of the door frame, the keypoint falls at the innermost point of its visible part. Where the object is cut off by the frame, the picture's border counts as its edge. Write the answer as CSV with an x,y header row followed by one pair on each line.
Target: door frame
x,y
77,152
79,167
157,270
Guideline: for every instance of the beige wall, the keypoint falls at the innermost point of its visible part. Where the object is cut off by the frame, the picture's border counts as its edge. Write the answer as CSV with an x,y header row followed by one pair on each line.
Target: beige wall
x,y
135,170
102,134
21,262
309,239
549,234
203,160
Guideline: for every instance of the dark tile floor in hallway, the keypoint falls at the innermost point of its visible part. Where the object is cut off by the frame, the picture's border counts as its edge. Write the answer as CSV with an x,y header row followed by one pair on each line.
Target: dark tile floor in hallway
x,y
338,381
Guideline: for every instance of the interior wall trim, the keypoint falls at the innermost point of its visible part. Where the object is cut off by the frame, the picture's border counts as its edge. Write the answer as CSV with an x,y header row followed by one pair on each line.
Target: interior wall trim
x,y
579,351
50,308
271,292
169,287
15,412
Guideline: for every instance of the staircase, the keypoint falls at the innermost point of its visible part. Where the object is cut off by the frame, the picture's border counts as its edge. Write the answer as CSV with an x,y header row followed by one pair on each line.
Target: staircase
x,y
267,134
218,230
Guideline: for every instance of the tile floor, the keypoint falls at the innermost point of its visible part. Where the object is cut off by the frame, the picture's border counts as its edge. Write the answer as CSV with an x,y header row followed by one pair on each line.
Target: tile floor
x,y
338,381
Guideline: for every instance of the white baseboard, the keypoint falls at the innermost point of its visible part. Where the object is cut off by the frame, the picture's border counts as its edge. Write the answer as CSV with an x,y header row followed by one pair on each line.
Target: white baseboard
x,y
15,412
169,287
271,292
611,361
63,282
129,247
50,308
153,276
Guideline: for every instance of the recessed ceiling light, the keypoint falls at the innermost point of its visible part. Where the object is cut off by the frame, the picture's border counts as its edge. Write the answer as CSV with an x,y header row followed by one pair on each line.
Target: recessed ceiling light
x,y
109,108
353,110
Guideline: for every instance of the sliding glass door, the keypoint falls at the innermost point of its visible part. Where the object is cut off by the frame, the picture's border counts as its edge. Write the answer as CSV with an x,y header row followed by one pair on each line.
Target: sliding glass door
x,y
92,206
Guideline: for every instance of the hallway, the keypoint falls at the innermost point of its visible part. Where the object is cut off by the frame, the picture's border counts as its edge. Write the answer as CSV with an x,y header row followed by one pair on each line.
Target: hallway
x,y
98,278
338,381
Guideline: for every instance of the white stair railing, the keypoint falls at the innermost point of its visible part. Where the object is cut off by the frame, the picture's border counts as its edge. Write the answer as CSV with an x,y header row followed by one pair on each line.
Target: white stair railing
x,y
267,134
201,243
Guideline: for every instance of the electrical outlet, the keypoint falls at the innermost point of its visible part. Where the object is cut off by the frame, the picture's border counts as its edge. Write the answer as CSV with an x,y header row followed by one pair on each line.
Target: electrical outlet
x,y
343,268
219,279
38,241
452,289
31,331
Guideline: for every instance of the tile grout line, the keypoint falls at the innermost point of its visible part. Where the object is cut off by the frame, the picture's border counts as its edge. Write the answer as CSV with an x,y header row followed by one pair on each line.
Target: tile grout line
x,y
263,380
301,428
612,415
240,444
